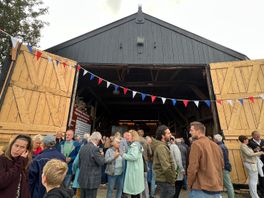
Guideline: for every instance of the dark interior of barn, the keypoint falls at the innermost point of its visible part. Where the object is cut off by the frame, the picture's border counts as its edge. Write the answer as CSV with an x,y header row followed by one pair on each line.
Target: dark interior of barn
x,y
114,109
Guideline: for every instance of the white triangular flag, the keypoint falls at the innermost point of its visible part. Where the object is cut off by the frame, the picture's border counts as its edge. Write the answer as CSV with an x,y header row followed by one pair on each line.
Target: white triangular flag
x,y
163,100
49,59
262,96
134,93
107,84
14,41
196,103
85,72
230,102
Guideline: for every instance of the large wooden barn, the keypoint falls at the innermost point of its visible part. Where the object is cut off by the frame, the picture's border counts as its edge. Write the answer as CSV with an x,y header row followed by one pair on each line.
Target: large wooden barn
x,y
164,69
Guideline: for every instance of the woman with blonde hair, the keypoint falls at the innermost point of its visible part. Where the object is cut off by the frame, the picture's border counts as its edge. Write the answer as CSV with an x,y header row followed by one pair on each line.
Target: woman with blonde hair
x,y
134,176
14,168
37,144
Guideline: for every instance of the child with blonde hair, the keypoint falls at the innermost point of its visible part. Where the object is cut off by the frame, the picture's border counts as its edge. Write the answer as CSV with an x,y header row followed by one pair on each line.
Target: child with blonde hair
x,y
53,175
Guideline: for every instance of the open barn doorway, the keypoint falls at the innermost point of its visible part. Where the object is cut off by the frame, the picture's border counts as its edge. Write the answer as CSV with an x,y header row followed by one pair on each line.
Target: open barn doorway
x,y
112,110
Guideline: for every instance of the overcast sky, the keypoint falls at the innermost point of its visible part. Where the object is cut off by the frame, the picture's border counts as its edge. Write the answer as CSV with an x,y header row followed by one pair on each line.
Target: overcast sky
x,y
236,24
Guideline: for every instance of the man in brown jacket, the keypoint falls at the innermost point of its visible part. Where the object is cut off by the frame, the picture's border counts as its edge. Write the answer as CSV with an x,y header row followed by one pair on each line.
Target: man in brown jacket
x,y
206,164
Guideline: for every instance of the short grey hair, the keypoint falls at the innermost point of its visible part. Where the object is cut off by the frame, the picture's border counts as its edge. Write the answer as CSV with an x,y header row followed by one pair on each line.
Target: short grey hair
x,y
218,138
96,136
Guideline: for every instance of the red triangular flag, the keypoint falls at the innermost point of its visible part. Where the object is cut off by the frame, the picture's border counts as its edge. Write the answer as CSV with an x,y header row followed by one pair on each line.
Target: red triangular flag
x,y
219,101
125,90
64,64
251,98
38,54
153,98
78,67
185,102
100,80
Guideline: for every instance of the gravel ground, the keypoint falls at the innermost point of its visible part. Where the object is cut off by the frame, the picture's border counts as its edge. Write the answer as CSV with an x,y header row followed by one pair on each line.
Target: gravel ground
x,y
184,194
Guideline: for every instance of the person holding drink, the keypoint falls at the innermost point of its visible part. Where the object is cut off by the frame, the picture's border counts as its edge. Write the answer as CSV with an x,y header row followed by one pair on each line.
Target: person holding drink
x,y
114,169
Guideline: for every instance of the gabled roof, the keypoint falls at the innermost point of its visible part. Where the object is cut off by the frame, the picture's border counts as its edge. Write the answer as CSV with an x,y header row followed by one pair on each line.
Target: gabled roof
x,y
163,44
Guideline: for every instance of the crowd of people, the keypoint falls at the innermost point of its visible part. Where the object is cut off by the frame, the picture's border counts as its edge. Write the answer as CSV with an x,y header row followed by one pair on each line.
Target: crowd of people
x,y
131,165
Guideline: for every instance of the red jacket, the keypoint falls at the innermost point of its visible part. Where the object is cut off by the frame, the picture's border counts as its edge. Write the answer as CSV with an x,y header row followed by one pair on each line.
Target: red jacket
x,y
10,171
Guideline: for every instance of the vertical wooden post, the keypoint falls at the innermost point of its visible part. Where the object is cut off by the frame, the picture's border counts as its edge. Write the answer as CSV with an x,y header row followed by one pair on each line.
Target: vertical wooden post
x,y
73,97
212,97
95,112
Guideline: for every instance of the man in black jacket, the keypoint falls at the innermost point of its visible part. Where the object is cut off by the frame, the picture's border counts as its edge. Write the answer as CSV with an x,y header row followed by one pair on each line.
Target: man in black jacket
x,y
257,144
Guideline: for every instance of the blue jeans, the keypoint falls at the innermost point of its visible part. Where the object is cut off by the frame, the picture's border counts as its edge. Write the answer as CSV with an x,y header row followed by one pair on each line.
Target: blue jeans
x,y
228,184
202,194
67,180
151,179
115,181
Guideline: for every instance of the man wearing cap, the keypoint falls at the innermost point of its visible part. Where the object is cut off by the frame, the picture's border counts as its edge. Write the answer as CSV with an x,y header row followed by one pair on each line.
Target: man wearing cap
x,y
35,169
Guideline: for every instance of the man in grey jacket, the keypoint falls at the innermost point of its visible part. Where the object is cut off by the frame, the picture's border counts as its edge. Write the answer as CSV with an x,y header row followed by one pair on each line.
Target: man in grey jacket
x,y
90,163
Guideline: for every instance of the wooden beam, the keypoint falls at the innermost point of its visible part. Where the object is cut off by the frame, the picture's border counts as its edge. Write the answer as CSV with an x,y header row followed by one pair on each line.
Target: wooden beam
x,y
157,84
198,91
140,66
213,104
175,73
98,98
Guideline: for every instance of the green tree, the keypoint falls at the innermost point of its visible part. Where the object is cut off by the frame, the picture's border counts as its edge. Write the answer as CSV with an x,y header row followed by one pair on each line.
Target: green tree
x,y
21,19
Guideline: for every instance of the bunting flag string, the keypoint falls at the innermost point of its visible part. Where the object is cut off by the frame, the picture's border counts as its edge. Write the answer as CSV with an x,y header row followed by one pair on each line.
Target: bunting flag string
x,y
38,54
173,100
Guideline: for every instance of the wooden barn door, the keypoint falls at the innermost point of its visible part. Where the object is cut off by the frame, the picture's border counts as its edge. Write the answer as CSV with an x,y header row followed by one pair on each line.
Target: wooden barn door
x,y
38,95
239,114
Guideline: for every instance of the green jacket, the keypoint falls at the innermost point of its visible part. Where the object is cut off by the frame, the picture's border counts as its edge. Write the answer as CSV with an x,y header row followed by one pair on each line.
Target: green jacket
x,y
162,162
134,178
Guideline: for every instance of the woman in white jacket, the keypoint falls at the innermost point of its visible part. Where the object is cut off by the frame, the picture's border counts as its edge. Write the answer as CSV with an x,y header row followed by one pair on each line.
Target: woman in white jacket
x,y
177,159
250,162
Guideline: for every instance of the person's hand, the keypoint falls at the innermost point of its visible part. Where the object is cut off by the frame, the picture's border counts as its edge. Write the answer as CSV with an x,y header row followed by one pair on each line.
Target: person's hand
x,y
116,154
257,149
25,154
101,151
68,159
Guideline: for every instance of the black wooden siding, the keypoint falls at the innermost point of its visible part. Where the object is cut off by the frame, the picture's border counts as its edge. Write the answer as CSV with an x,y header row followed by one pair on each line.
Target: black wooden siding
x,y
116,44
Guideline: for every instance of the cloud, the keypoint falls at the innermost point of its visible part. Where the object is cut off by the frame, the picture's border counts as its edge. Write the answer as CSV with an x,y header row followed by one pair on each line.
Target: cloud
x,y
114,5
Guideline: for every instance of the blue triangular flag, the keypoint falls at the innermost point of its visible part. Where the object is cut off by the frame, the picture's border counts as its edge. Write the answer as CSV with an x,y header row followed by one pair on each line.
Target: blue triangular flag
x,y
208,103
116,88
30,48
241,101
174,102
91,77
143,96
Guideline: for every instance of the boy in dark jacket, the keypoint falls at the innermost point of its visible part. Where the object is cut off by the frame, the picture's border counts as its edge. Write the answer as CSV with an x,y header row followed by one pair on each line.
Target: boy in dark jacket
x,y
36,167
53,174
